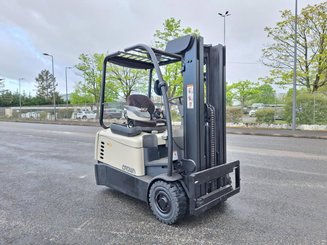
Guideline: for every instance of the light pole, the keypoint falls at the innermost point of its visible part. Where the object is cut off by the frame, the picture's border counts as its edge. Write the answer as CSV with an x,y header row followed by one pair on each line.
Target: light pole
x,y
54,86
67,67
294,70
20,97
224,16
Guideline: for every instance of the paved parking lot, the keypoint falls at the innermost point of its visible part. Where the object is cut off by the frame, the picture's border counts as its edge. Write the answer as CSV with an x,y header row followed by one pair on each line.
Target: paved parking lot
x,y
48,194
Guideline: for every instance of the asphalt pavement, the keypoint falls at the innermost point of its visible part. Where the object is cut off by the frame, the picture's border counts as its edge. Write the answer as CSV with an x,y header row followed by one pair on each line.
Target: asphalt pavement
x,y
48,194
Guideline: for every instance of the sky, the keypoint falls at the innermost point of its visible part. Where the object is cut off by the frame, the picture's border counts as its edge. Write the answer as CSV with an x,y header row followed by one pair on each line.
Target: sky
x,y
68,28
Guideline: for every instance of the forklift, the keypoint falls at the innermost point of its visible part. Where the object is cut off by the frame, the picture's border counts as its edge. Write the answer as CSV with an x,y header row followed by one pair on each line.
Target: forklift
x,y
178,170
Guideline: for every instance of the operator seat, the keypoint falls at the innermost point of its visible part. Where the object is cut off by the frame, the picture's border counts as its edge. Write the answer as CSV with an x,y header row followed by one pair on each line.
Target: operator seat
x,y
139,112
141,101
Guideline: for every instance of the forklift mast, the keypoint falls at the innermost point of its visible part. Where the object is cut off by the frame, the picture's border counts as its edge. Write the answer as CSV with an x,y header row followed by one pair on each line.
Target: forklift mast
x,y
204,100
204,113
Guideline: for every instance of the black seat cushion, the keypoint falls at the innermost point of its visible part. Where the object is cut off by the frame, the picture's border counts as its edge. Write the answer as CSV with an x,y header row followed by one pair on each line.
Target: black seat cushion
x,y
141,101
159,129
125,131
145,123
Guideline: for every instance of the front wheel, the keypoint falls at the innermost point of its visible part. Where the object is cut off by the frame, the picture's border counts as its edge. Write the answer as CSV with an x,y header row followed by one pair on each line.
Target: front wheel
x,y
168,201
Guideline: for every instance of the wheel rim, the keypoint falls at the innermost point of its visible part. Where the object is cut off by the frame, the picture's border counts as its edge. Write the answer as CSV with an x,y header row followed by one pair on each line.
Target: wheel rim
x,y
163,202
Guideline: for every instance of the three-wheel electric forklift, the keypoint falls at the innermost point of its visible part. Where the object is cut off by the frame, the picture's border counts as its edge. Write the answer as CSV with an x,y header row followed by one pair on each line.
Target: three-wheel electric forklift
x,y
177,170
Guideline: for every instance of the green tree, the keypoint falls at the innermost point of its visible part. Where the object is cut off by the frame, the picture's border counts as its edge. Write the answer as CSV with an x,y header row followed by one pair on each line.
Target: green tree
x,y
229,95
311,108
172,29
244,91
6,98
90,69
15,98
5,95
312,48
30,100
88,90
323,90
265,94
128,80
2,85
77,97
45,86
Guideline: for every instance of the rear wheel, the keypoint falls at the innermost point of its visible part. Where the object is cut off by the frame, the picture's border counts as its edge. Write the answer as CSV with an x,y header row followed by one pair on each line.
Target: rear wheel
x,y
168,201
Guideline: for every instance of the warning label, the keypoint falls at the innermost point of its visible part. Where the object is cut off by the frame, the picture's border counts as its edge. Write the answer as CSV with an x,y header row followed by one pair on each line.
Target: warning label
x,y
190,96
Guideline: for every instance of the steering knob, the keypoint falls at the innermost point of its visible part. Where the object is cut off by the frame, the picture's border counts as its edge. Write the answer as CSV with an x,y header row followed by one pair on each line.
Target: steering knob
x,y
157,87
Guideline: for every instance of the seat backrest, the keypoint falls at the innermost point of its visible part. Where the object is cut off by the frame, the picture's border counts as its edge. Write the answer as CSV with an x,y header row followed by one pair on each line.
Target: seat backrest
x,y
141,101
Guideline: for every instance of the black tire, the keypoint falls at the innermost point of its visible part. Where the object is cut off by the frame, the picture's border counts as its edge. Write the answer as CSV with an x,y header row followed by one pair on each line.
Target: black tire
x,y
84,117
168,201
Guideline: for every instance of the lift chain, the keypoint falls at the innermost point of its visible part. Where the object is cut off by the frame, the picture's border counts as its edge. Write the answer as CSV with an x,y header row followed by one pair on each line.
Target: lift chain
x,y
212,123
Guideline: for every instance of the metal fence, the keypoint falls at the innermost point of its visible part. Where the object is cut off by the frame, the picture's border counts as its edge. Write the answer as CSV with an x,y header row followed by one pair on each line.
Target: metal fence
x,y
2,112
61,112
311,110
85,112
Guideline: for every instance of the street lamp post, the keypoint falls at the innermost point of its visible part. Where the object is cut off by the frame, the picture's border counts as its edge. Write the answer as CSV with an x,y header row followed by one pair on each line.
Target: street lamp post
x,y
54,86
20,97
67,67
224,16
294,70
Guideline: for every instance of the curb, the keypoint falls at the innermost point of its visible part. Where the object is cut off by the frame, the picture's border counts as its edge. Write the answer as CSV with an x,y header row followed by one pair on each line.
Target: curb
x,y
279,135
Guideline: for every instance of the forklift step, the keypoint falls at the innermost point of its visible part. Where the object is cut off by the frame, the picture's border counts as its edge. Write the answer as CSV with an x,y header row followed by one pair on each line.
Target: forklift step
x,y
156,163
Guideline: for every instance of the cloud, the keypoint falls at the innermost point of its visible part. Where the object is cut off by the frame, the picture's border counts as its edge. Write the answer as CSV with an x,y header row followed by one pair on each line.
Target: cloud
x,y
66,29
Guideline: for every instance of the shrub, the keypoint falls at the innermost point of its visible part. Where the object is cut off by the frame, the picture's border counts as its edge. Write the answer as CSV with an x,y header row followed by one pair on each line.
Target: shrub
x,y
43,115
175,116
310,109
234,114
265,115
65,113
16,114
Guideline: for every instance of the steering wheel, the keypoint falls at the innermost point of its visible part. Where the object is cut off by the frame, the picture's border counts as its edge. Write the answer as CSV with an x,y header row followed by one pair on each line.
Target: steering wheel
x,y
180,98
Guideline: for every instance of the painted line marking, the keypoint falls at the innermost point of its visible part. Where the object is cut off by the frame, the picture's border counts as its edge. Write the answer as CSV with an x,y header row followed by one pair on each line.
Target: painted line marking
x,y
84,224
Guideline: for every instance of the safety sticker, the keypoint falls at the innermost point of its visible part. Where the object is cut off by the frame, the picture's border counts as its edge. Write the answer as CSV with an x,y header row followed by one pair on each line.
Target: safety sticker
x,y
190,96
175,156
